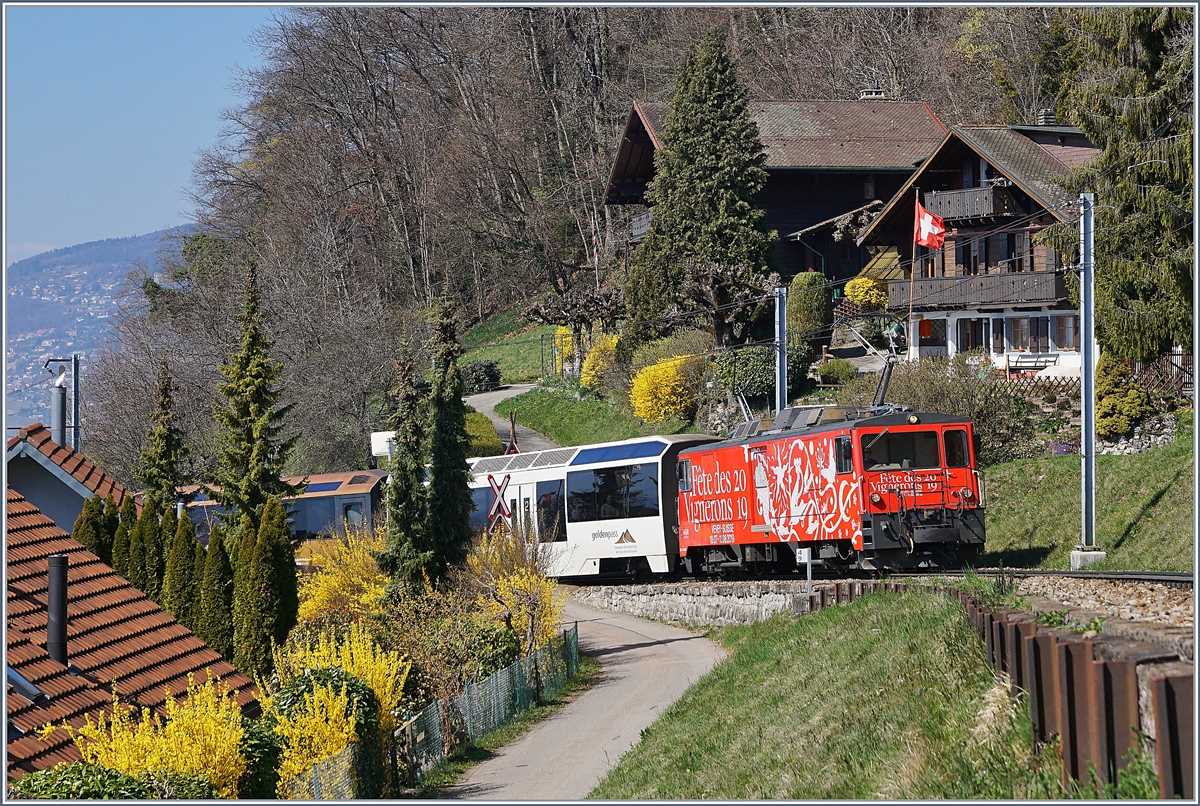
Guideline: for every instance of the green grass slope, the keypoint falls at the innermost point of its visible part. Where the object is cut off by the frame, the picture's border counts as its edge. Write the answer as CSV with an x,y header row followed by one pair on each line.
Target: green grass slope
x,y
1144,510
888,697
568,421
516,345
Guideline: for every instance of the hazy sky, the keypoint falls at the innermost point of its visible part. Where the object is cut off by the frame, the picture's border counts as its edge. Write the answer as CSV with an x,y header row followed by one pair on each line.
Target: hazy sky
x,y
105,109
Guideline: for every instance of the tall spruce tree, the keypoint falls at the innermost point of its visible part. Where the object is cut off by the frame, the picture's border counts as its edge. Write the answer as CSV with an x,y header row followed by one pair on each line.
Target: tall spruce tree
x,y
1133,99
276,535
449,497
158,469
179,587
707,248
215,622
408,554
120,550
135,563
250,448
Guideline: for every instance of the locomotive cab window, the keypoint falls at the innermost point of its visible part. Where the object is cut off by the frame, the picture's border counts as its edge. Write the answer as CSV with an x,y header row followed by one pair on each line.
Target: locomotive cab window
x,y
844,453
956,449
903,450
683,469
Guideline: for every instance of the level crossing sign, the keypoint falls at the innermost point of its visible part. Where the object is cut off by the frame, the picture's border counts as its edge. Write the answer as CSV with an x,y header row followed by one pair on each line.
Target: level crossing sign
x,y
499,511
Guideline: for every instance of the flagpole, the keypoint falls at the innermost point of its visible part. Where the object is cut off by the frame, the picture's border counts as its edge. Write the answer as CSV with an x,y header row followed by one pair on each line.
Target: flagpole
x,y
912,277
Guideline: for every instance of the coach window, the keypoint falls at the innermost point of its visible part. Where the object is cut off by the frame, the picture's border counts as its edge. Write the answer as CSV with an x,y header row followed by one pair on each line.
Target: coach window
x,y
551,511
956,449
481,501
613,493
845,455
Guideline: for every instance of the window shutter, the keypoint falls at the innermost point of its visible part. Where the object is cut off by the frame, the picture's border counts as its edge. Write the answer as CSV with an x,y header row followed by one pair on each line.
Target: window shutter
x,y
1043,333
997,335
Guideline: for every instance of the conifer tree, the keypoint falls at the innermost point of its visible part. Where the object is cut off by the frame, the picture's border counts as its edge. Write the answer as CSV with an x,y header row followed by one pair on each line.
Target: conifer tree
x,y
215,623
275,535
158,469
255,606
135,564
112,519
1133,99
707,247
408,553
449,507
250,447
120,551
90,526
181,577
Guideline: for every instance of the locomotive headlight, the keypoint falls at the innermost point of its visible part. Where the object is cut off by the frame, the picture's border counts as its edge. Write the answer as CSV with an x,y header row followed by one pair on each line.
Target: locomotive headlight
x,y
967,494
876,498
913,419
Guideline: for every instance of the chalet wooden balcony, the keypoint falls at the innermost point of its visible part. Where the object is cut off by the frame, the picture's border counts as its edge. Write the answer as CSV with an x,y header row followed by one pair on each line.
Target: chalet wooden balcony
x,y
985,289
985,202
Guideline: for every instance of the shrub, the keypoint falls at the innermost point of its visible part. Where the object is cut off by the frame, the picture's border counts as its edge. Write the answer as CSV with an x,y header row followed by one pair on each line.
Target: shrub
x,y
78,781
1121,402
685,342
162,785
955,386
261,748
316,721
868,293
751,370
484,441
661,391
810,309
836,370
201,736
480,376
346,576
601,364
564,347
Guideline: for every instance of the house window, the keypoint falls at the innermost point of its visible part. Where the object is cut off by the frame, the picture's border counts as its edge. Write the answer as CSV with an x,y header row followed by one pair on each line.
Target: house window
x,y
926,263
967,256
1039,334
997,335
932,333
869,187
1021,258
1018,334
1066,333
972,334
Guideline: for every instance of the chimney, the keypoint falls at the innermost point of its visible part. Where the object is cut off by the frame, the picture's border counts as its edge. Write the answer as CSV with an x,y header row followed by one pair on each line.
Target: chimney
x,y
58,410
1045,117
56,616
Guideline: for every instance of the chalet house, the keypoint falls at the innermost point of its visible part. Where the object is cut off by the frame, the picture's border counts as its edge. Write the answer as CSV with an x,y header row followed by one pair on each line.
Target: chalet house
x,y
824,159
55,478
990,287
328,501
113,638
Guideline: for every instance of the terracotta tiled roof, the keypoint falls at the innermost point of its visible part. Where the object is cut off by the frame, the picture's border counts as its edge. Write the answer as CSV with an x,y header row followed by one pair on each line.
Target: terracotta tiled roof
x,y
116,636
37,436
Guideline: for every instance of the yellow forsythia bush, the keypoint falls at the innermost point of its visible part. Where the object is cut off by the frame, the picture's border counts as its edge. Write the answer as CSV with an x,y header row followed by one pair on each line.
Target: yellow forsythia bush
x,y
346,577
660,391
599,361
504,571
867,292
201,735
357,653
319,729
564,346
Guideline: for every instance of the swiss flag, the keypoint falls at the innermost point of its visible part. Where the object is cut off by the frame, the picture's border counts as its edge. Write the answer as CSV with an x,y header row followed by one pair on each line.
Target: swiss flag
x,y
930,230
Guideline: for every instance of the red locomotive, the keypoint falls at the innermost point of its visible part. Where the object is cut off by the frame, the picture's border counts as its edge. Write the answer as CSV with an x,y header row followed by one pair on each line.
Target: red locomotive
x,y
878,488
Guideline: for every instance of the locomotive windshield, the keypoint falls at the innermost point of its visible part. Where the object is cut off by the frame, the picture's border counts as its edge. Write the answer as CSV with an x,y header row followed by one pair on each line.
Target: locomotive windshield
x,y
903,450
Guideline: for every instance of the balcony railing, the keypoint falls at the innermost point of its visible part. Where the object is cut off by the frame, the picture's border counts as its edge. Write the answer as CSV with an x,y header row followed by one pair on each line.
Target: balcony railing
x,y
985,202
984,289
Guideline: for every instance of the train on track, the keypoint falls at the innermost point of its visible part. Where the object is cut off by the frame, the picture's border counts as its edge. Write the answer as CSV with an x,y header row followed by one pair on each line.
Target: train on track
x,y
877,488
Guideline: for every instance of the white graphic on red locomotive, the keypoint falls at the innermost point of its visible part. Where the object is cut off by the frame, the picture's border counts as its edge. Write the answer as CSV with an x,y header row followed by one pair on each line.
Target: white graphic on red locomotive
x,y
803,498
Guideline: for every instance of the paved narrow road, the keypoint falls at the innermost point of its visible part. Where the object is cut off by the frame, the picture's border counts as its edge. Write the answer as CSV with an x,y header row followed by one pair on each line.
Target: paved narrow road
x,y
527,439
646,666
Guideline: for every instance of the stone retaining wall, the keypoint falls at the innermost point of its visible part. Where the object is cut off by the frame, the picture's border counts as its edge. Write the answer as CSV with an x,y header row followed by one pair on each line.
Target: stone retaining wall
x,y
708,603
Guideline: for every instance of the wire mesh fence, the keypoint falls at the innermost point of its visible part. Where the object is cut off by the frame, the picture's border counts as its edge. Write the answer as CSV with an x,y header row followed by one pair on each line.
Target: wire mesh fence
x,y
426,738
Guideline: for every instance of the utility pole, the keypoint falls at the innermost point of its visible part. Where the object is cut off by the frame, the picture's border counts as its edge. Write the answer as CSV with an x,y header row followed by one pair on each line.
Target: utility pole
x,y
1086,552
781,378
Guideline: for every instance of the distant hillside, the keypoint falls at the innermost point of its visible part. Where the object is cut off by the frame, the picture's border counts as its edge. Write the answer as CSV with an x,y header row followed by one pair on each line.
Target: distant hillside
x,y
60,302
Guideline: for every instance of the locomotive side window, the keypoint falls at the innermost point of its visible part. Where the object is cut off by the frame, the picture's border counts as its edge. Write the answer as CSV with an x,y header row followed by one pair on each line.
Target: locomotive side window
x,y
683,469
759,457
956,449
552,511
613,493
905,450
844,452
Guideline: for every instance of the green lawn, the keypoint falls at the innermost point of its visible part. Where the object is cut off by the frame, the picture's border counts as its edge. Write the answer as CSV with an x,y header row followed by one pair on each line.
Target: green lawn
x,y
518,346
563,418
888,697
1144,511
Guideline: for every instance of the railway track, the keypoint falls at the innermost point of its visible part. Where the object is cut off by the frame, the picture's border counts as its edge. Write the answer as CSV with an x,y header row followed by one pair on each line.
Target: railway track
x,y
1174,579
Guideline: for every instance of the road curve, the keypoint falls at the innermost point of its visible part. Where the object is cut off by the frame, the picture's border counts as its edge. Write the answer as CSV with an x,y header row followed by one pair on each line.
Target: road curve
x,y
646,666
528,440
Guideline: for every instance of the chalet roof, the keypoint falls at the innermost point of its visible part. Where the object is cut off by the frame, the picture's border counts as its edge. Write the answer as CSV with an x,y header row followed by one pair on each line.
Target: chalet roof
x,y
1011,151
116,637
72,467
867,135
319,485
